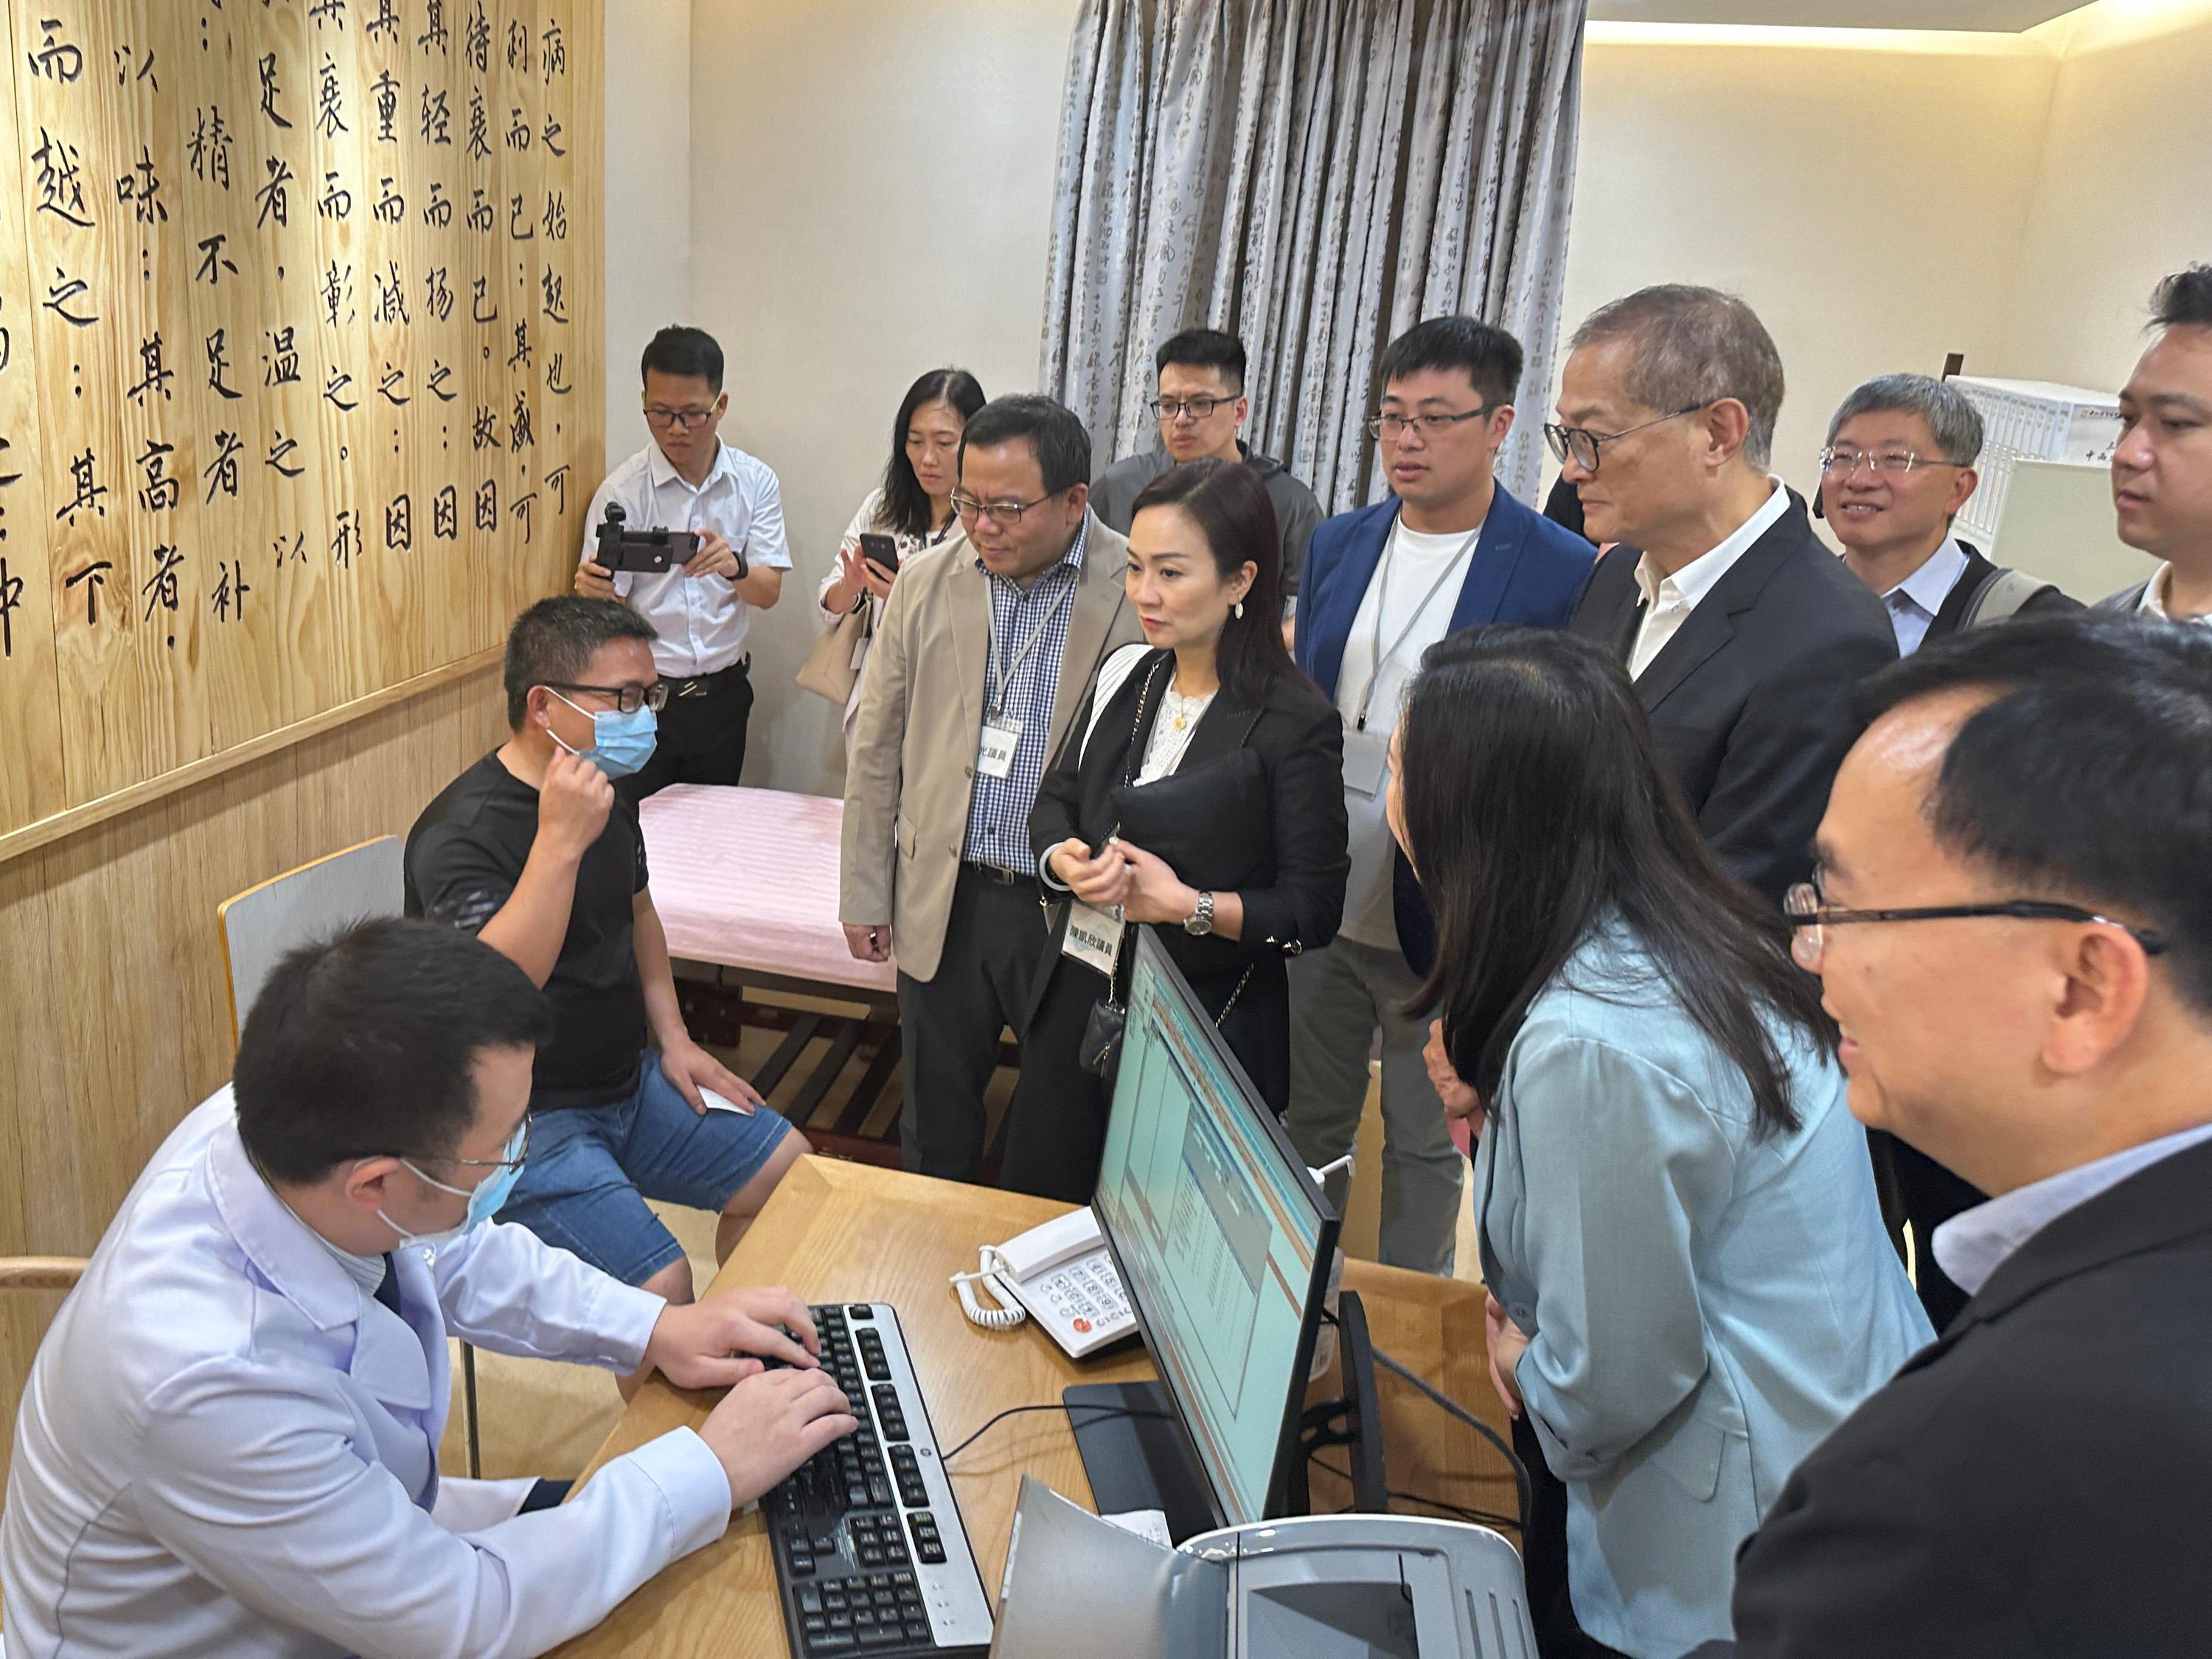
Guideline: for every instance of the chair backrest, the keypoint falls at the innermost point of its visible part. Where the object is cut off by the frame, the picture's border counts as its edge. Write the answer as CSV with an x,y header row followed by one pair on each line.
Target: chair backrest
x,y
301,906
40,1273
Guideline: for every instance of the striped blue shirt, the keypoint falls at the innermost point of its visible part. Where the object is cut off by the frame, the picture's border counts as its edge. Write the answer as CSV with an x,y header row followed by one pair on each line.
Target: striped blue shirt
x,y
999,809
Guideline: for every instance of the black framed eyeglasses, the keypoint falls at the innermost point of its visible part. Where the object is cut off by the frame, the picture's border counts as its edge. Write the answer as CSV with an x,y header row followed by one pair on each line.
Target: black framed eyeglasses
x,y
1583,447
971,508
1198,408
628,699
664,419
1811,918
1430,426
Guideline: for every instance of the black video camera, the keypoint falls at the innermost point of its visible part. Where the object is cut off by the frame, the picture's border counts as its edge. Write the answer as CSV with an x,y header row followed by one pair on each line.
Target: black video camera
x,y
647,552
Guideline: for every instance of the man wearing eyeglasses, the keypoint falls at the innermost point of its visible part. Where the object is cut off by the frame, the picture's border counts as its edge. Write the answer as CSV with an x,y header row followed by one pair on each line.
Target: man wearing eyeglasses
x,y
1202,408
1898,468
986,650
1449,549
2162,465
1743,633
227,1447
533,851
687,478
2014,931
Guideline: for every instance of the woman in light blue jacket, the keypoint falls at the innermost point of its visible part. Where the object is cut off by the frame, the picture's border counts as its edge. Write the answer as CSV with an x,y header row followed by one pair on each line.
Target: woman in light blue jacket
x,y
1690,1282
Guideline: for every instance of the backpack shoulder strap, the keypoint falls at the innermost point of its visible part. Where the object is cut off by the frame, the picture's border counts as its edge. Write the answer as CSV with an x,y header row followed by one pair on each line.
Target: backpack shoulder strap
x,y
2001,597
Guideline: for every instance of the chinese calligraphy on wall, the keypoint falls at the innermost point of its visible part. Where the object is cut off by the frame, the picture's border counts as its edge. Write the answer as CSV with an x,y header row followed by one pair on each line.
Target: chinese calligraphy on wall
x,y
299,384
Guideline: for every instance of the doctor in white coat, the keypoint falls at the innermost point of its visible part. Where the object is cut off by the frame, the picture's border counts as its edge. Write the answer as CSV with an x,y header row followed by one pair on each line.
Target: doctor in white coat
x,y
229,1443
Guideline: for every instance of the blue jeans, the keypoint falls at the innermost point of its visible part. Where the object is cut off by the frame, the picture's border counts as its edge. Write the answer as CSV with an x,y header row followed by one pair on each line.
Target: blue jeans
x,y
591,1168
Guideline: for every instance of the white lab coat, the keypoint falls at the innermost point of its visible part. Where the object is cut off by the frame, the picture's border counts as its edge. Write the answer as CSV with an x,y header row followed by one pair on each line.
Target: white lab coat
x,y
228,1447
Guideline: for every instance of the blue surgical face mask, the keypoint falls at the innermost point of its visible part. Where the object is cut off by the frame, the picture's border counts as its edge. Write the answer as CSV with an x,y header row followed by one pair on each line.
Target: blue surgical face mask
x,y
621,744
484,1198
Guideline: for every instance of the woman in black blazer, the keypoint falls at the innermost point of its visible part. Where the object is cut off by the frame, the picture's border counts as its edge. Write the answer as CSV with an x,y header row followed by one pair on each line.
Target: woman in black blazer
x,y
1201,790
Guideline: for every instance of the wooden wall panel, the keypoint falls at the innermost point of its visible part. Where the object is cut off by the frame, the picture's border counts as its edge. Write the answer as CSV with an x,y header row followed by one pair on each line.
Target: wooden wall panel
x,y
289,288
114,1015
321,554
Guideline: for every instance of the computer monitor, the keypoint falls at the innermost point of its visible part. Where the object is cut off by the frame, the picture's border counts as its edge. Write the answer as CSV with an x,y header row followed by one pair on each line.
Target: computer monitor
x,y
1222,1238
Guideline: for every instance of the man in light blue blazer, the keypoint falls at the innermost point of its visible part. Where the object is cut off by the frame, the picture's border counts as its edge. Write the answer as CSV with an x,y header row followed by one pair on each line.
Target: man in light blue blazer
x,y
1449,550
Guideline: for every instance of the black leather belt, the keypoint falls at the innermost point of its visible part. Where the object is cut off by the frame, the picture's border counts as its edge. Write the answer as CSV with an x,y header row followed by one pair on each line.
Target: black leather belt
x,y
992,872
698,685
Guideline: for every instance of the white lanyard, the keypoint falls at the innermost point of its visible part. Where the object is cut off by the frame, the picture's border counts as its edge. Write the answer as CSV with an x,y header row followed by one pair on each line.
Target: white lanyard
x,y
1383,604
1001,683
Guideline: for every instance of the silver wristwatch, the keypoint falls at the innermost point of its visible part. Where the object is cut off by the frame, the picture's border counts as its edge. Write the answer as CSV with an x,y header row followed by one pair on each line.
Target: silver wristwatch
x,y
1200,922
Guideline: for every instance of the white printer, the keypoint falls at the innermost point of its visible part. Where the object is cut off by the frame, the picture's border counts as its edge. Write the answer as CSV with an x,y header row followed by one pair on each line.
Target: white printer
x,y
1318,1587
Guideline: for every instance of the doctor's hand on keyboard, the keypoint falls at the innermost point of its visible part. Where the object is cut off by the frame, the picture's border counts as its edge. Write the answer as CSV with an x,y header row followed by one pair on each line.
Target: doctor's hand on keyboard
x,y
724,1338
769,1424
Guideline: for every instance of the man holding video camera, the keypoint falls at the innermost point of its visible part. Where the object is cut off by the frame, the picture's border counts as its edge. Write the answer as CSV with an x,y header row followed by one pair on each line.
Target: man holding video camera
x,y
687,480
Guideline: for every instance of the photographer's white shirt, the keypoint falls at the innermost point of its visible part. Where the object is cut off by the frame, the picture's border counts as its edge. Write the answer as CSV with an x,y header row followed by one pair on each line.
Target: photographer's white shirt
x,y
701,620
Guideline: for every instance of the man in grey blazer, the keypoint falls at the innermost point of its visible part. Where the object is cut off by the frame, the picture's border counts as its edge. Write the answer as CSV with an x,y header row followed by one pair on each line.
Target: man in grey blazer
x,y
2162,467
986,649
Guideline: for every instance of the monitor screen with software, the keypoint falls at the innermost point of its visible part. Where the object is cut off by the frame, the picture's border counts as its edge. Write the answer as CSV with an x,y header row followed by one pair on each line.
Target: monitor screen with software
x,y
1221,1237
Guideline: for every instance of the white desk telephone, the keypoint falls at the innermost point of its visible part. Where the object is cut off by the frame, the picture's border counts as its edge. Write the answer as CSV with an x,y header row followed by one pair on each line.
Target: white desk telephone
x,y
1063,1274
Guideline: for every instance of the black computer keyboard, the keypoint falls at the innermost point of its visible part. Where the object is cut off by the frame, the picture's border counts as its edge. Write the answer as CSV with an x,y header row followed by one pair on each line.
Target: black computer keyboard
x,y
870,1554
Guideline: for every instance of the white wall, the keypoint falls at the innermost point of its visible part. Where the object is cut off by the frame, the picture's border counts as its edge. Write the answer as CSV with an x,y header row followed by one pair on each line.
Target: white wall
x,y
1869,201
649,195
872,186
869,182
2124,191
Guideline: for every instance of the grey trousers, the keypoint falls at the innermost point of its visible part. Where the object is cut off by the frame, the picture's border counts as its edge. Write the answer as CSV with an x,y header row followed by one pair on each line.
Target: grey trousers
x,y
1339,996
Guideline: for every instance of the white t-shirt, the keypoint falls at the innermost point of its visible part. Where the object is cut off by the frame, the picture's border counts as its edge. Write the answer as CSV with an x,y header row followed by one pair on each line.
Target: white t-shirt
x,y
1414,567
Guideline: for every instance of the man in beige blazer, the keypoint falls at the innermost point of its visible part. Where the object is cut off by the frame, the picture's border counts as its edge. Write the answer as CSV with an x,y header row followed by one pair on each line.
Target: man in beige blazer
x,y
986,650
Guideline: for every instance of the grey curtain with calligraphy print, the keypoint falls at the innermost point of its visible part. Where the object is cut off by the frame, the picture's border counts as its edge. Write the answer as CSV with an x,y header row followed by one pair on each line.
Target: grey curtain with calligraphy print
x,y
1315,176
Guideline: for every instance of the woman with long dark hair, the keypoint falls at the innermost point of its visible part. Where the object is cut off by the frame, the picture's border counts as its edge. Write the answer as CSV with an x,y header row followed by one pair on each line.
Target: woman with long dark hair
x,y
1199,792
1690,1282
912,505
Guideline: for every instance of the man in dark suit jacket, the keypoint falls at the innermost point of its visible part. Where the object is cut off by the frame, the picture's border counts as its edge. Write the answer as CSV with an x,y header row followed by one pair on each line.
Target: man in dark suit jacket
x,y
2034,1481
1449,550
1743,633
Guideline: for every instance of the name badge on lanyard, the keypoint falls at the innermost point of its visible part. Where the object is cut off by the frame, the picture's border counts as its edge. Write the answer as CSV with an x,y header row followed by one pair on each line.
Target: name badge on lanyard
x,y
1367,752
1366,759
1093,937
995,758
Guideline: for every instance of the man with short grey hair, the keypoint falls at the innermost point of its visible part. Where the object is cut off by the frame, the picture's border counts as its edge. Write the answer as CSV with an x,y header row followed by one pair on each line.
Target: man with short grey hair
x,y
1898,468
1742,632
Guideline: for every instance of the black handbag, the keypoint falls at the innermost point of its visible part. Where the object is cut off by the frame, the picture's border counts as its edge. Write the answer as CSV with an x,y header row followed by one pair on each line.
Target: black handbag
x,y
1101,1031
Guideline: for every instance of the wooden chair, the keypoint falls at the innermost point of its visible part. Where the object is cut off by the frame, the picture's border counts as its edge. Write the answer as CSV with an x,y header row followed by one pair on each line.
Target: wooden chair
x,y
264,922
40,1273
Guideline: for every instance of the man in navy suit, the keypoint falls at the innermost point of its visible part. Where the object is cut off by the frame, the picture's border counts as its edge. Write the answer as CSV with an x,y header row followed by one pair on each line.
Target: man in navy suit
x,y
1449,550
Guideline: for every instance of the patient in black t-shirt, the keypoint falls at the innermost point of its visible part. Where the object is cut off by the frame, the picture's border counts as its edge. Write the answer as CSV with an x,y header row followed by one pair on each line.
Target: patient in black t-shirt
x,y
532,850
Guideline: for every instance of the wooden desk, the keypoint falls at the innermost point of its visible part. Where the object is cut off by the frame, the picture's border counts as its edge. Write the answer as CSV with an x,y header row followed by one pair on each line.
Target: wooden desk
x,y
845,1232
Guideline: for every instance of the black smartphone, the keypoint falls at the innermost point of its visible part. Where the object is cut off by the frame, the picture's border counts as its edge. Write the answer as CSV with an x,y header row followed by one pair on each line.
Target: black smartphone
x,y
880,549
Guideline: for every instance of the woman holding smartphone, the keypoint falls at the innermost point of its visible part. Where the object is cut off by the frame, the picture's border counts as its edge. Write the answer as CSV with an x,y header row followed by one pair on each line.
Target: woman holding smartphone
x,y
1199,792
1689,1283
912,508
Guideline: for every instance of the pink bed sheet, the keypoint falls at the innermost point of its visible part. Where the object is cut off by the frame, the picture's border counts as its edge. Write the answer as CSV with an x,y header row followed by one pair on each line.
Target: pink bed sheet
x,y
747,878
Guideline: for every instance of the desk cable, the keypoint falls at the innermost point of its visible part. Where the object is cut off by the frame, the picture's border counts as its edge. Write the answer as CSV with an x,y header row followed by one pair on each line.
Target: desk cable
x,y
1446,1403
1097,1414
